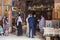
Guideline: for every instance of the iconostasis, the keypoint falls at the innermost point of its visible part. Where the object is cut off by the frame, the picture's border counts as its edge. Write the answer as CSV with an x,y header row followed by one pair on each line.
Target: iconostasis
x,y
7,9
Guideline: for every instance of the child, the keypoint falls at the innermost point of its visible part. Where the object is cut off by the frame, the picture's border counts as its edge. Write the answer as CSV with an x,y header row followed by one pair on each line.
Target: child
x,y
1,30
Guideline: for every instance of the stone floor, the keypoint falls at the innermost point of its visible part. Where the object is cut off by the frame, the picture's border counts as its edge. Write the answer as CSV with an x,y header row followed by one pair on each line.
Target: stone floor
x,y
14,37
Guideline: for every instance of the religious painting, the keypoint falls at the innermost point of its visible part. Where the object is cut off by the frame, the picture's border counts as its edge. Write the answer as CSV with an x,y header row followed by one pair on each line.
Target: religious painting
x,y
14,14
49,15
55,23
6,9
48,23
16,3
57,8
56,15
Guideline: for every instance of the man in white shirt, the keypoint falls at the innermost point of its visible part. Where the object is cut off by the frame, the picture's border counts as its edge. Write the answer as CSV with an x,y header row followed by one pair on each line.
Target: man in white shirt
x,y
27,25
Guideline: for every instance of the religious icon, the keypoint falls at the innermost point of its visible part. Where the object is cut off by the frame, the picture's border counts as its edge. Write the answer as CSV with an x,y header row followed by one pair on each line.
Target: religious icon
x,y
49,23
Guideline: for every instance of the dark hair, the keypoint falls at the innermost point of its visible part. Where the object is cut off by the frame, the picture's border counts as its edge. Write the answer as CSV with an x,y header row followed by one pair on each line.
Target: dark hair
x,y
6,19
42,15
33,13
19,14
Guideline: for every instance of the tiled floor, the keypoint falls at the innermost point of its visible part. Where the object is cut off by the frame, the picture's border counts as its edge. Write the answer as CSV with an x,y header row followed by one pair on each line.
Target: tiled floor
x,y
14,37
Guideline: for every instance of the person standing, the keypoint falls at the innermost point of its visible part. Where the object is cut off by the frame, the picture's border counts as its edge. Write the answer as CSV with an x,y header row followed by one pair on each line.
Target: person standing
x,y
35,24
42,24
19,25
27,25
31,26
6,27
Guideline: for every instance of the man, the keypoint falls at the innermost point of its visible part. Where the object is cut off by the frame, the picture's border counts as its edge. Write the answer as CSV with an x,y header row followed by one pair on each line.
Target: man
x,y
35,23
31,26
27,25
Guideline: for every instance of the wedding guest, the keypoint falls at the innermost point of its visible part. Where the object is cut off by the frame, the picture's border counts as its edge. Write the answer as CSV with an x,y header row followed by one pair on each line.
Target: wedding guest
x,y
41,24
27,25
35,24
19,25
6,27
31,26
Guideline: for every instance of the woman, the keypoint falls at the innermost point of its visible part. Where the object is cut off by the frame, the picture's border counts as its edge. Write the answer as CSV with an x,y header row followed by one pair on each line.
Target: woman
x,y
6,27
41,24
19,25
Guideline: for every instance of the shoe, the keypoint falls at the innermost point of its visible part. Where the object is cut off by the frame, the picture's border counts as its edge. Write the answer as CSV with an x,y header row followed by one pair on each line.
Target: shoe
x,y
29,36
32,37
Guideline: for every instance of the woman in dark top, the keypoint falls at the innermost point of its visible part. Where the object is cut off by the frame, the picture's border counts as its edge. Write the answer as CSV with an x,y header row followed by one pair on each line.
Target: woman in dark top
x,y
19,25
